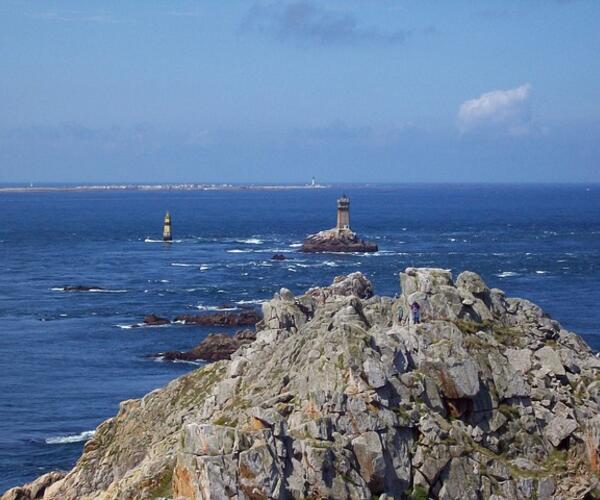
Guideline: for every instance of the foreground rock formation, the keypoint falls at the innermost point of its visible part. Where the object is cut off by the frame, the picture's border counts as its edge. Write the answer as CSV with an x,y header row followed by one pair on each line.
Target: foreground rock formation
x,y
339,397
336,240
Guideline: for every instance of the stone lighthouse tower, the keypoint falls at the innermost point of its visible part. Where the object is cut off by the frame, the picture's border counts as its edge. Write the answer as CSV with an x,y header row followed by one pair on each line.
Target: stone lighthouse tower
x,y
343,213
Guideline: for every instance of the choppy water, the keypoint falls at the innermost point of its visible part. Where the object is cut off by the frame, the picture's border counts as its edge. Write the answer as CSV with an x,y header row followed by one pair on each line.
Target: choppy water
x,y
66,363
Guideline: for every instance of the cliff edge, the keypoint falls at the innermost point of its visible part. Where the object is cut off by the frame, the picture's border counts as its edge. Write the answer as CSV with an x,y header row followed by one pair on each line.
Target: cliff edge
x,y
340,397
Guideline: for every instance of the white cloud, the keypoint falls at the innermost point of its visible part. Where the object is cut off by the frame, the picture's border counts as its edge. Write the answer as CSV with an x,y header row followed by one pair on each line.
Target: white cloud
x,y
500,111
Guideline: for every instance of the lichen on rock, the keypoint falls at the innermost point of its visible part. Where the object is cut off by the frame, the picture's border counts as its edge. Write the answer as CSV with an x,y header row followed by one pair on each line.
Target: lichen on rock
x,y
340,396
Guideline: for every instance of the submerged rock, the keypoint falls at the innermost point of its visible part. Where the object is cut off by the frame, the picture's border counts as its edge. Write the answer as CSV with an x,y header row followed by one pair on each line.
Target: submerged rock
x,y
279,256
340,396
82,288
337,240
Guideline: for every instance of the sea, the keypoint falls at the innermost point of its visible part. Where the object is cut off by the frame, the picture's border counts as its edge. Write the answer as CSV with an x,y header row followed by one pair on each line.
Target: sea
x,y
68,358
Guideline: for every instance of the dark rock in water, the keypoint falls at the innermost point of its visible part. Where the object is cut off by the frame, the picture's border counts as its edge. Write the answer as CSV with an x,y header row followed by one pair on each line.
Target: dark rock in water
x,y
215,347
244,318
337,240
82,288
278,256
154,320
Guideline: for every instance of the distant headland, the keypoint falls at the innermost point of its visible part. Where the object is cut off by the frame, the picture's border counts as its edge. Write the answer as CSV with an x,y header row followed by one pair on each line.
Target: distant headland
x,y
156,187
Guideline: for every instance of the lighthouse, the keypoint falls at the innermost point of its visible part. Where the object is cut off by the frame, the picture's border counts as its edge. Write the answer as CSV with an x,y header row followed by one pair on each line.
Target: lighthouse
x,y
167,236
343,213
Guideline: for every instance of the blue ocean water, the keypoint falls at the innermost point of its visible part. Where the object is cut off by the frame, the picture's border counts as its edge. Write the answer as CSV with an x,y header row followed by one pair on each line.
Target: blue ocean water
x,y
67,361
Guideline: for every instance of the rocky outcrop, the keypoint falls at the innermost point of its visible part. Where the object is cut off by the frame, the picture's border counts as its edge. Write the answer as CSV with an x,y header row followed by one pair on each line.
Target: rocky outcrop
x,y
155,320
215,347
243,318
279,256
35,489
337,240
340,396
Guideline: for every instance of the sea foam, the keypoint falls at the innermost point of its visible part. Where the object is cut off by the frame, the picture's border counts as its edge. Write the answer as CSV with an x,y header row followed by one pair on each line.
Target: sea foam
x,y
72,438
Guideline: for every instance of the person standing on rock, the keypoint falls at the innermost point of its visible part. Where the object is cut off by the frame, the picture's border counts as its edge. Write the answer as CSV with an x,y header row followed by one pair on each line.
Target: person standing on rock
x,y
415,310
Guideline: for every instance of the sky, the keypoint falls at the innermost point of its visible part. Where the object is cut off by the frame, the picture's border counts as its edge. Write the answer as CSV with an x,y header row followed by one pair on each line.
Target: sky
x,y
277,92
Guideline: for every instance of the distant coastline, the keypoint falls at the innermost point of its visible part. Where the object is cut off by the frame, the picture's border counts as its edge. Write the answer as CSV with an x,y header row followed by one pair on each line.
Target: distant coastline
x,y
158,187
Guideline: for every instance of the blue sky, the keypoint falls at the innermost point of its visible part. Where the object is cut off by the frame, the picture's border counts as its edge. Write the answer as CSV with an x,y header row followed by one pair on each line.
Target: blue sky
x,y
348,91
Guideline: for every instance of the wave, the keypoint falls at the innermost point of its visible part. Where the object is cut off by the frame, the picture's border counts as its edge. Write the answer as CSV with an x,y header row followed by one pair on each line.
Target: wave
x,y
72,438
160,359
253,301
542,272
507,274
202,307
239,250
295,245
276,250
251,241
383,253
150,240
142,325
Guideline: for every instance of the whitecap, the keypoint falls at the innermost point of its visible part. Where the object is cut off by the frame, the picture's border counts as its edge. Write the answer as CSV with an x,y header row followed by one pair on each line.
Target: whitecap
x,y
275,250
142,325
72,438
151,240
507,274
202,307
182,264
295,245
330,263
292,269
188,362
254,301
251,241
239,250
542,272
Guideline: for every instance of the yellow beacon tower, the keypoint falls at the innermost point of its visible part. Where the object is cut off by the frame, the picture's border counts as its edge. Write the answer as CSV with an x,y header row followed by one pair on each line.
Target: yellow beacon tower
x,y
167,236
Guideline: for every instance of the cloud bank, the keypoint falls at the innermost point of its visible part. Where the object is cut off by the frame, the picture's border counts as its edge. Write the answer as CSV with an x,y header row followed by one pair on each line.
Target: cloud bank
x,y
500,111
308,22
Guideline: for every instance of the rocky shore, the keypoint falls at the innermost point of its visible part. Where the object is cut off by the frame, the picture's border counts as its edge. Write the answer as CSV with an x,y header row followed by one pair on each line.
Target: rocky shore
x,y
337,240
247,317
341,397
215,347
